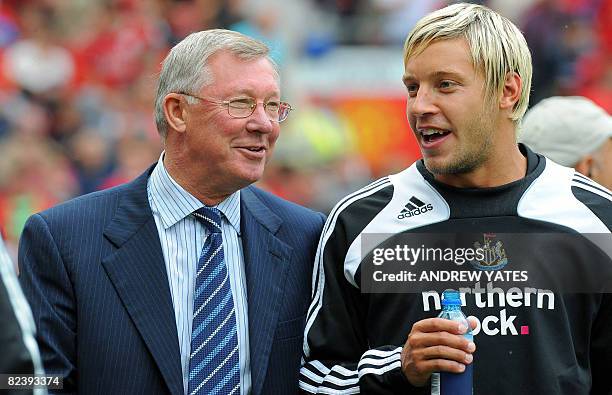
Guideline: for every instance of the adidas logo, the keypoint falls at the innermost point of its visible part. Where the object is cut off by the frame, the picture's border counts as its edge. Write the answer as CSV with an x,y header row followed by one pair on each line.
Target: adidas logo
x,y
414,207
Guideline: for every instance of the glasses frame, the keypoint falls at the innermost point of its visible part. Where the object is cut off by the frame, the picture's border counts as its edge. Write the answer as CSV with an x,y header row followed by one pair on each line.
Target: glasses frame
x,y
226,103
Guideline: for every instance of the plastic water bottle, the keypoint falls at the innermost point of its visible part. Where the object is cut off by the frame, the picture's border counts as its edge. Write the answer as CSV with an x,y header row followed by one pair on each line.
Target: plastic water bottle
x,y
446,383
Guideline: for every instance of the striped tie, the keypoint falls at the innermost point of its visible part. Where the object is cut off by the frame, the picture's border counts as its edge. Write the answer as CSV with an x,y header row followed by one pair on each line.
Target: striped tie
x,y
213,363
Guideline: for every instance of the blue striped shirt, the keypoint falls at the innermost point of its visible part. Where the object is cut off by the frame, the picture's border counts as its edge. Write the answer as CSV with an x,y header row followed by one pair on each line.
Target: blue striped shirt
x,y
182,238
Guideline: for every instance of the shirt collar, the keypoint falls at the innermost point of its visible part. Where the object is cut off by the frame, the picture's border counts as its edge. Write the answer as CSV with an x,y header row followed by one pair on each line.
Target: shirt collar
x,y
174,203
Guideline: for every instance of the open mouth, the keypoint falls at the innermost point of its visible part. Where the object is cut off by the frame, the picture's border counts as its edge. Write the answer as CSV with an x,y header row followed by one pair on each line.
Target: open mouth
x,y
431,136
255,149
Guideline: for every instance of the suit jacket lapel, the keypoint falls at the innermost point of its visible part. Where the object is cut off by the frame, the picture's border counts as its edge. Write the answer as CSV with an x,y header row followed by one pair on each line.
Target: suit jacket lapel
x,y
266,261
138,273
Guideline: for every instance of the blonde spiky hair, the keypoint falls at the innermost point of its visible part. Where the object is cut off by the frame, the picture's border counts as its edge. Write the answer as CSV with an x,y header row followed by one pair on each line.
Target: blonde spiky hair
x,y
496,44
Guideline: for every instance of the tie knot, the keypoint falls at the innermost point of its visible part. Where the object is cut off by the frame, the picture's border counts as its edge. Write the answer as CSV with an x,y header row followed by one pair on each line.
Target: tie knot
x,y
210,217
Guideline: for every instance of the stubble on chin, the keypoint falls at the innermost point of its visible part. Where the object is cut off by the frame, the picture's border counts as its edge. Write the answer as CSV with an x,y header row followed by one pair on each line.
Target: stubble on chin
x,y
460,163
465,159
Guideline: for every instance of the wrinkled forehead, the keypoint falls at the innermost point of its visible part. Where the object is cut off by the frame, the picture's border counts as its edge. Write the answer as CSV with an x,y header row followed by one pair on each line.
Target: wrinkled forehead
x,y
229,72
226,56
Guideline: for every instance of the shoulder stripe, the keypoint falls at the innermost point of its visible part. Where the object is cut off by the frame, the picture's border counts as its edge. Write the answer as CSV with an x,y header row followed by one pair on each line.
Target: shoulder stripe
x,y
581,178
334,215
592,188
318,273
331,223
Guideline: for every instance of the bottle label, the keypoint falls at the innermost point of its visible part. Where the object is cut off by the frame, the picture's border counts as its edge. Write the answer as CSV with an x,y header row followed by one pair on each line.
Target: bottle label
x,y
445,383
435,384
457,384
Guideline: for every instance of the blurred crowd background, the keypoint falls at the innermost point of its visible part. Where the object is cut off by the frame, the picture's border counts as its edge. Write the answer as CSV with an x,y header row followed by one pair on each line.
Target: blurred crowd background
x,y
77,84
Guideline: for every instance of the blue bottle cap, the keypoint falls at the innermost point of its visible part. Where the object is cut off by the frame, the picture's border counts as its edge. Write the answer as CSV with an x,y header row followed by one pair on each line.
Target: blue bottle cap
x,y
450,297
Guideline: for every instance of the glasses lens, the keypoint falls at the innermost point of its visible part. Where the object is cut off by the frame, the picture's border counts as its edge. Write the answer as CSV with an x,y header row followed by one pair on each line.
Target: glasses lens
x,y
283,111
241,108
272,109
244,107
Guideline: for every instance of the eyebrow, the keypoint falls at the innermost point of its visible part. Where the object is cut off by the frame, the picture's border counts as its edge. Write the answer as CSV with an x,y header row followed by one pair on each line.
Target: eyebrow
x,y
250,93
435,74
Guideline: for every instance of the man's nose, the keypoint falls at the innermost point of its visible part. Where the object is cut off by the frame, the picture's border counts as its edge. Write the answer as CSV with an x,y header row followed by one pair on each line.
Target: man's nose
x,y
421,104
259,121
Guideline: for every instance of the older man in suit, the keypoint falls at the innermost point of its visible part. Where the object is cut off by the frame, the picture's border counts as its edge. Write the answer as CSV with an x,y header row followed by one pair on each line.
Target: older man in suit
x,y
187,279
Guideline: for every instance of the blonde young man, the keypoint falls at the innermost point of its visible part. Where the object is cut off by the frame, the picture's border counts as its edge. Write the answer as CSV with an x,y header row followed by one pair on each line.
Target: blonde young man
x,y
467,75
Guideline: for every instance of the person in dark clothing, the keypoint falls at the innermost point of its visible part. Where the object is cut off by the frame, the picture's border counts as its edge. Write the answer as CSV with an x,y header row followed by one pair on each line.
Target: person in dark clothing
x,y
19,350
467,75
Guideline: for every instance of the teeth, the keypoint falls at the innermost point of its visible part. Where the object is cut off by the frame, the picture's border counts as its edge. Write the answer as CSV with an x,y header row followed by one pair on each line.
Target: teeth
x,y
430,132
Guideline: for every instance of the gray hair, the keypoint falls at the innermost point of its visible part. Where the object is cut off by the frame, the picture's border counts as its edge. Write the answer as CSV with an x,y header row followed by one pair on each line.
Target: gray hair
x,y
496,44
185,68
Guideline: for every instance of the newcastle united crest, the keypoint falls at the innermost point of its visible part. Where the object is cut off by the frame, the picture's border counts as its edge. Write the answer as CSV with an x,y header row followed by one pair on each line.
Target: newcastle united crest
x,y
494,253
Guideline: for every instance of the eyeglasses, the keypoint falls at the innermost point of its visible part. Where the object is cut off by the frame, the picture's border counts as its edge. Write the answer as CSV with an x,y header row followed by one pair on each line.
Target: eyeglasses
x,y
277,111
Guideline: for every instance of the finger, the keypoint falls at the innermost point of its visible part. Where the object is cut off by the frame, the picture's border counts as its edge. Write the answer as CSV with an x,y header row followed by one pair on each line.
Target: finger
x,y
444,352
423,340
441,365
473,322
439,325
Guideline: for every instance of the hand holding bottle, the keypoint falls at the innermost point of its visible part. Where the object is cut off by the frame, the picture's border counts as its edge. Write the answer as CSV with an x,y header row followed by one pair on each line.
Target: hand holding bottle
x,y
433,346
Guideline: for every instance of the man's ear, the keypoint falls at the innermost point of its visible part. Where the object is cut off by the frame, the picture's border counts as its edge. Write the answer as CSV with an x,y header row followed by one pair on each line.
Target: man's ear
x,y
174,111
511,92
584,165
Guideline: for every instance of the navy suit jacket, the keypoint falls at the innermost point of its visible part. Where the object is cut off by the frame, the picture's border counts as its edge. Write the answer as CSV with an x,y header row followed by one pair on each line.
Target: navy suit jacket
x,y
93,271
